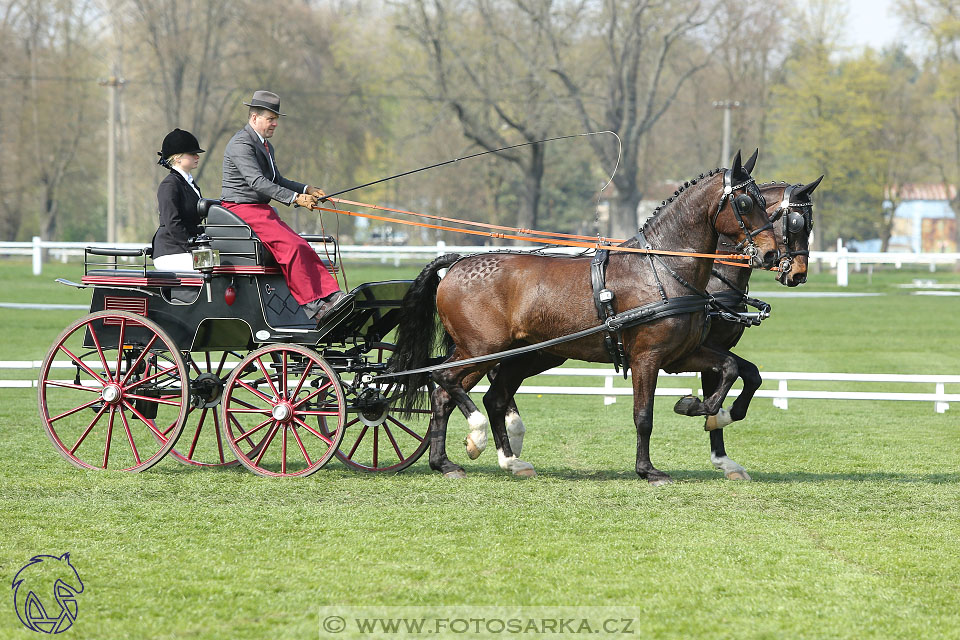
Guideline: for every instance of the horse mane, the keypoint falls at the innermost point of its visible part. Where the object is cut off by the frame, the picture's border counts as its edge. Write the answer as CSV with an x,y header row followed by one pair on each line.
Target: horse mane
x,y
664,204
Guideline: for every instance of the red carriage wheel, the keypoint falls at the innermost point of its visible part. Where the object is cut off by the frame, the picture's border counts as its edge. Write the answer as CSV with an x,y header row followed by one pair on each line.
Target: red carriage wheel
x,y
376,436
202,443
112,393
269,403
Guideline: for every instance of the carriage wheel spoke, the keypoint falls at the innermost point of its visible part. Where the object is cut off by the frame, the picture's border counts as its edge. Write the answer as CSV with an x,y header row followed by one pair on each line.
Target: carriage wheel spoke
x,y
80,408
103,358
252,390
266,443
313,394
267,376
356,444
106,450
247,434
283,378
376,445
303,378
196,436
89,428
351,423
145,421
404,427
313,431
216,429
126,426
123,328
303,449
161,400
283,443
68,385
136,363
393,441
152,377
80,363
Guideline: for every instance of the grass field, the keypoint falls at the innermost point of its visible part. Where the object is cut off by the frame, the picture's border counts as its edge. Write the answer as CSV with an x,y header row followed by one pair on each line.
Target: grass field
x,y
850,528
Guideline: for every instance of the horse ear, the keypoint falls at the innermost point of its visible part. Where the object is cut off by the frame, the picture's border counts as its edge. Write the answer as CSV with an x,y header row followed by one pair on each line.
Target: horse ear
x,y
752,162
737,166
808,189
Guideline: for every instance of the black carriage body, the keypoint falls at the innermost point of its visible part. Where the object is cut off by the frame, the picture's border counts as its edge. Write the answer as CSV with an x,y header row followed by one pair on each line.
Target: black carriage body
x,y
193,308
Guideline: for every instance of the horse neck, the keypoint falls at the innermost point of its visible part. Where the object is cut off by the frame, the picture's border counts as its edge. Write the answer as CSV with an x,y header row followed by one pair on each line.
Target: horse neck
x,y
738,276
685,225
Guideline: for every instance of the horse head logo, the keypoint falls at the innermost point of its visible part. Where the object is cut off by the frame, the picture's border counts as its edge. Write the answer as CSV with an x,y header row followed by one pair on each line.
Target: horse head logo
x,y
45,593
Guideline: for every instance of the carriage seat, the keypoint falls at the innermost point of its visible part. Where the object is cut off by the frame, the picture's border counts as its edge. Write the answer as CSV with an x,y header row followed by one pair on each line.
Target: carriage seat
x,y
237,242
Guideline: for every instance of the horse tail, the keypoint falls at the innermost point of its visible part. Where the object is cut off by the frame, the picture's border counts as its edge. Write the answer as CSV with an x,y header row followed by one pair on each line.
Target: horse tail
x,y
418,334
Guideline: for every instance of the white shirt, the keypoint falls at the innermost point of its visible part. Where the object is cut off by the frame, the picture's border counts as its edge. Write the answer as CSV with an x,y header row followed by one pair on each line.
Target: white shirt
x,y
189,179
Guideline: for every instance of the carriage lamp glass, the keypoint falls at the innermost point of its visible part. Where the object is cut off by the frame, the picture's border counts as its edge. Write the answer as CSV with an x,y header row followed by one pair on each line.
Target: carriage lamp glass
x,y
206,259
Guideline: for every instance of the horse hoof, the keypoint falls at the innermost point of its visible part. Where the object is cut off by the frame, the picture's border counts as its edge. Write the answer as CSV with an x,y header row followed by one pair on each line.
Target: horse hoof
x,y
525,473
473,452
719,421
658,482
737,475
456,474
686,404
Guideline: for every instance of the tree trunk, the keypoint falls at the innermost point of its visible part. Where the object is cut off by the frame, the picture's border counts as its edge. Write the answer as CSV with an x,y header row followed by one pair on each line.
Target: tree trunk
x,y
532,188
623,214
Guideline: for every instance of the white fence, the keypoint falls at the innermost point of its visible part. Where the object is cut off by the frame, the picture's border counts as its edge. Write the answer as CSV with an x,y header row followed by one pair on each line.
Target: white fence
x,y
841,259
780,396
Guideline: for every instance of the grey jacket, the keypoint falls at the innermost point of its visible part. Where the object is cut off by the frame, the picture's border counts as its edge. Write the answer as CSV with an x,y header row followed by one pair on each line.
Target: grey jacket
x,y
247,175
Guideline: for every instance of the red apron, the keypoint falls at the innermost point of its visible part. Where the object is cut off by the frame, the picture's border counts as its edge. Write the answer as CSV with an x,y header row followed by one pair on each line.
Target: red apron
x,y
302,268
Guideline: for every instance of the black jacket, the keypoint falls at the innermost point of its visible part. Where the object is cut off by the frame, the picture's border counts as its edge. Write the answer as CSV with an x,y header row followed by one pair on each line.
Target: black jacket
x,y
179,220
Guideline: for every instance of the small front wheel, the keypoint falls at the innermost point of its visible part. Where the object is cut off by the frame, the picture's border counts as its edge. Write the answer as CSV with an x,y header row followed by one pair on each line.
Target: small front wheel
x,y
269,403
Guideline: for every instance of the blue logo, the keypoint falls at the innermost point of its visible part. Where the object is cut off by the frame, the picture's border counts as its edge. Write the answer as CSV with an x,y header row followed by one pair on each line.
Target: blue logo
x,y
45,593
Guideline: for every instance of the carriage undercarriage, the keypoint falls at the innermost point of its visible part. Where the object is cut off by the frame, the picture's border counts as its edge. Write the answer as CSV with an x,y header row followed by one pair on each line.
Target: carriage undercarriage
x,y
223,367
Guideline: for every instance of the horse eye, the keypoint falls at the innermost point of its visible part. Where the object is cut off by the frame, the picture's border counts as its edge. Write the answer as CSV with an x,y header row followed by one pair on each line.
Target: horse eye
x,y
743,204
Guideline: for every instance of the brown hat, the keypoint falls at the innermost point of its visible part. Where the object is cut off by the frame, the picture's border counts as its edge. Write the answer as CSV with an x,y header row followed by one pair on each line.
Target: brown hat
x,y
265,100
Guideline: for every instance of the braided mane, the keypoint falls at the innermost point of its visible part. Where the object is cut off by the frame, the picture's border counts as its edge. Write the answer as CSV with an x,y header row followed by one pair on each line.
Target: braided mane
x,y
676,194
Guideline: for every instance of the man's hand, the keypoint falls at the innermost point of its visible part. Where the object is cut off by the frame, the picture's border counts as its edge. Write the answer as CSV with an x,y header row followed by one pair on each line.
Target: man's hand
x,y
314,191
305,200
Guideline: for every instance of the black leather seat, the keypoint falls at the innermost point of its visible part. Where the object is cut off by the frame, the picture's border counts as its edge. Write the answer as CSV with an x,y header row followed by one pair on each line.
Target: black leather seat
x,y
236,241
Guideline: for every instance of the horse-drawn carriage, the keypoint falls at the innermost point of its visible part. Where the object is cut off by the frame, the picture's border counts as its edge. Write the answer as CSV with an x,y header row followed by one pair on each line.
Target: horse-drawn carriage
x,y
223,366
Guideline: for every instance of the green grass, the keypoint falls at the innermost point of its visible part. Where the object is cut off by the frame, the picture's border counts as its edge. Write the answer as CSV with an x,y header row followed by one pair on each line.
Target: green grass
x,y
850,529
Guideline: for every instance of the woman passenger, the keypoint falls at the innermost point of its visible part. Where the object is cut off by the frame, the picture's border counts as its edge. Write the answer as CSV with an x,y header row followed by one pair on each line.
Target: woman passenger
x,y
177,198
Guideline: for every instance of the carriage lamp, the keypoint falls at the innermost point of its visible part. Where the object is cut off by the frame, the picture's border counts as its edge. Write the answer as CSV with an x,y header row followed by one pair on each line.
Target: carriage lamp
x,y
205,258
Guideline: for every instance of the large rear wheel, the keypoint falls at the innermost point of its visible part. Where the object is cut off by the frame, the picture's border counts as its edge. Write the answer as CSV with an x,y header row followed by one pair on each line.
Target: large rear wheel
x,y
270,402
377,435
113,392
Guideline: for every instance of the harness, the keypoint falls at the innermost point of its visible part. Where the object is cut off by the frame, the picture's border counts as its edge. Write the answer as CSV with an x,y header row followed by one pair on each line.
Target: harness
x,y
742,204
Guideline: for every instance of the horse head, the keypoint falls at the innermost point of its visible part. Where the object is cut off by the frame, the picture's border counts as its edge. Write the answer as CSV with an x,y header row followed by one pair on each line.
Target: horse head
x,y
45,593
741,215
793,223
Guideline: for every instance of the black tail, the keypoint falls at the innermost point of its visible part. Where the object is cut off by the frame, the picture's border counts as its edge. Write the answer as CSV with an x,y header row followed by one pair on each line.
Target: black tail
x,y
418,334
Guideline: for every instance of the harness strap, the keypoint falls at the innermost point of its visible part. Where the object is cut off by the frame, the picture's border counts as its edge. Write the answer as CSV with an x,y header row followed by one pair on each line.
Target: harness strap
x,y
632,317
603,301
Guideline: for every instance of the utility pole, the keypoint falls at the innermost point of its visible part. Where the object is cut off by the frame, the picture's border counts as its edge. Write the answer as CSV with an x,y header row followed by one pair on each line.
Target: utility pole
x,y
726,105
113,83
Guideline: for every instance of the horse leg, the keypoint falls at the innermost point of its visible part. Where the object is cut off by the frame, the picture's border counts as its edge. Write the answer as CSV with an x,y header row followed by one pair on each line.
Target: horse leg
x,y
718,453
644,385
441,407
515,426
706,359
500,401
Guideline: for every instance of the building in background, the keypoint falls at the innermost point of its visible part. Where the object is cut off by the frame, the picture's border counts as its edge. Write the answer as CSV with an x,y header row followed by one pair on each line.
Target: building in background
x,y
923,222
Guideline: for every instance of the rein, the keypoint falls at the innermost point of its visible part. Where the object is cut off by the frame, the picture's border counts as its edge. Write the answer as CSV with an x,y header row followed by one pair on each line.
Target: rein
x,y
596,244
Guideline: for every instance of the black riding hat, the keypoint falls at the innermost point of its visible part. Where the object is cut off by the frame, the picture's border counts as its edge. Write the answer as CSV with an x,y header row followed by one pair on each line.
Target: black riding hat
x,y
179,141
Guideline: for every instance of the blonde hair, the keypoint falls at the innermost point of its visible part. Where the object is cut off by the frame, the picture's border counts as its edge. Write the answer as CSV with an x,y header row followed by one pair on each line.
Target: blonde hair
x,y
174,159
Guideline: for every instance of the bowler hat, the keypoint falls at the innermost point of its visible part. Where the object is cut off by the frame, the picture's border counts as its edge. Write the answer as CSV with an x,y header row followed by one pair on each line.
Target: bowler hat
x,y
265,100
179,141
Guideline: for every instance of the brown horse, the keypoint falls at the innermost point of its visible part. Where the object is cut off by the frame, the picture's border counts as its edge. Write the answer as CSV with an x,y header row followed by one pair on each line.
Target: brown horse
x,y
791,209
489,303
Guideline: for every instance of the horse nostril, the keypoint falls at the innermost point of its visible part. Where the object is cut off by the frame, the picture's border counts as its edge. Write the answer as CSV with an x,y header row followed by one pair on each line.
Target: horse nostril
x,y
770,258
800,278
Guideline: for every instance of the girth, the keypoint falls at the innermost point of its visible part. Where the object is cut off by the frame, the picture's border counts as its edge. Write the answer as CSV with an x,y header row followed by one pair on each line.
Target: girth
x,y
603,300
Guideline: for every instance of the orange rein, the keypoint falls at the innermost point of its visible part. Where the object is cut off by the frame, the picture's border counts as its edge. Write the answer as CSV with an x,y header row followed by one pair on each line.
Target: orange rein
x,y
530,235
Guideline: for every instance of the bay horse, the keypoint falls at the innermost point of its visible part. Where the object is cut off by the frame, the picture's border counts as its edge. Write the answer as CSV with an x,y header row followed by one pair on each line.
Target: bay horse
x,y
489,303
791,210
